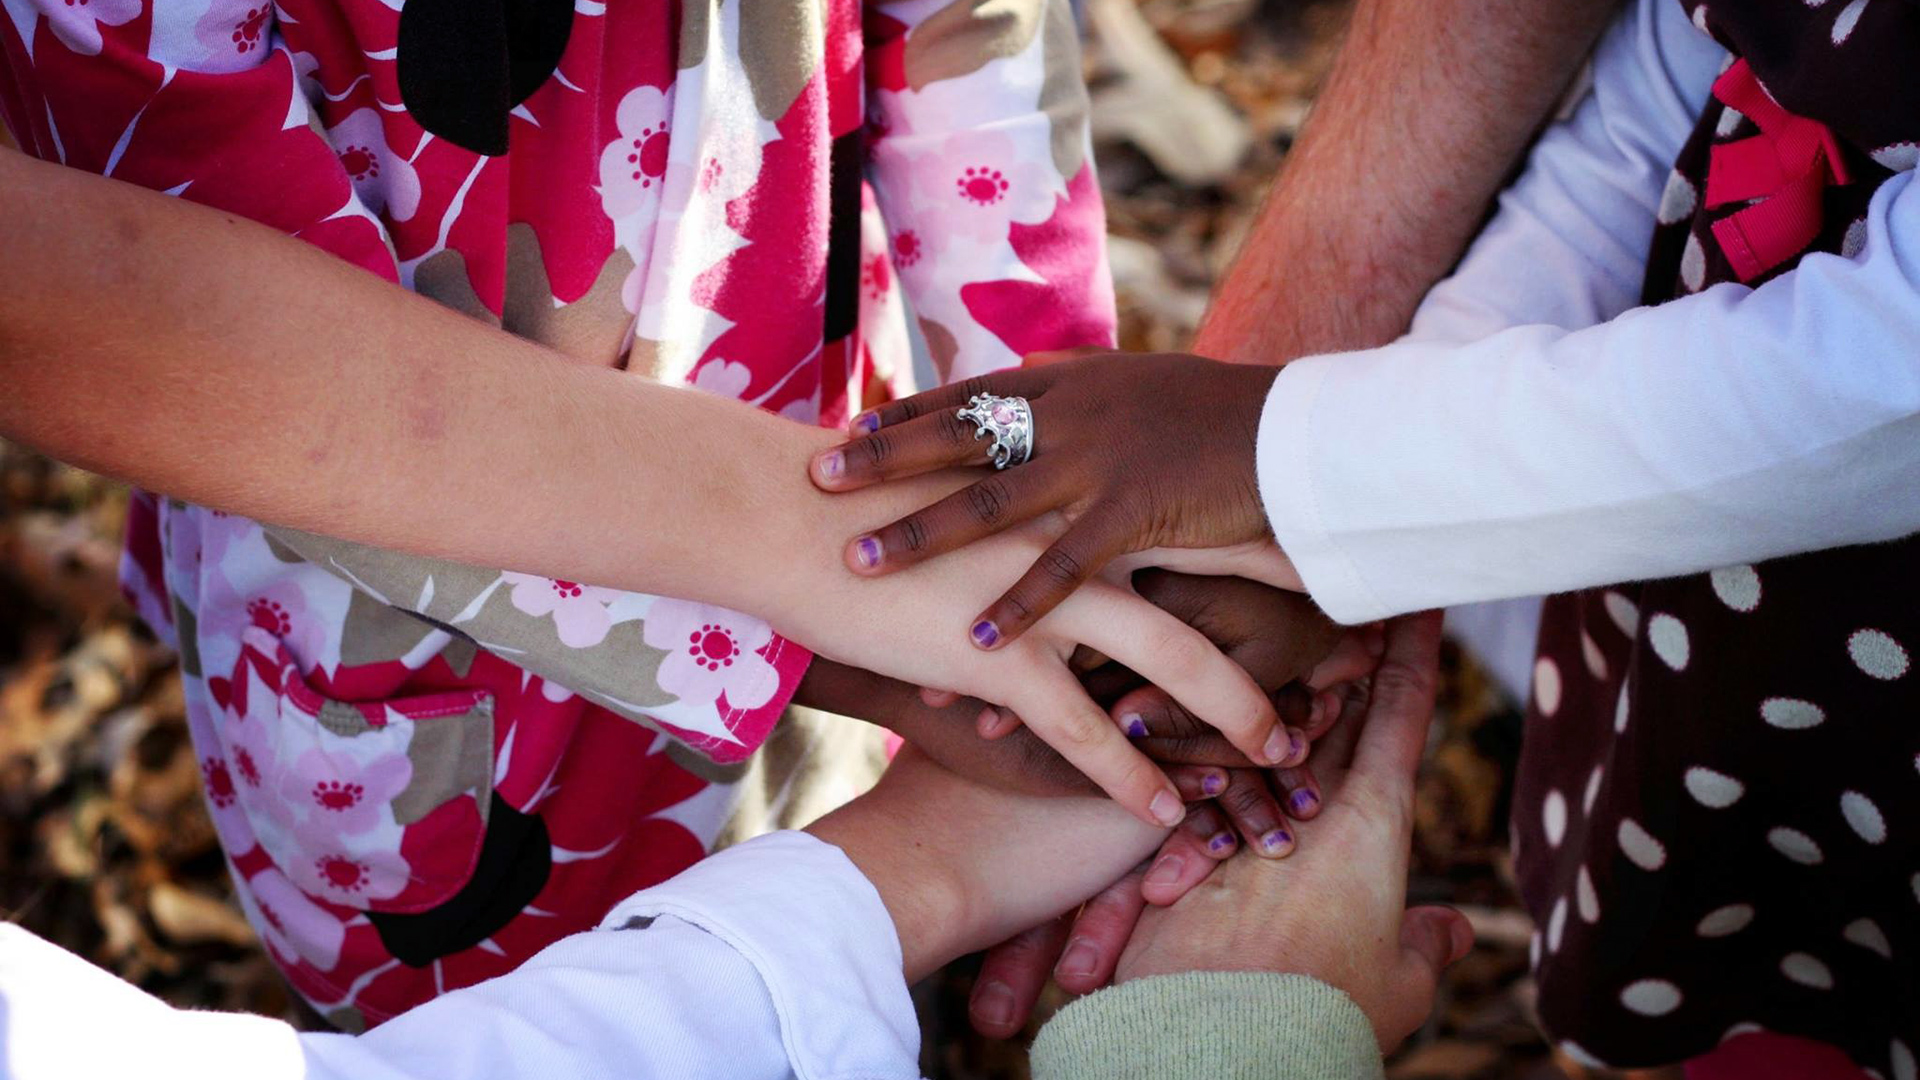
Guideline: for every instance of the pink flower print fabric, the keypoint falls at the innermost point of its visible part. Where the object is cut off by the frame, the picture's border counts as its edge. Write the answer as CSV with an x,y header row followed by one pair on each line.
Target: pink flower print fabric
x,y
711,652
674,198
579,612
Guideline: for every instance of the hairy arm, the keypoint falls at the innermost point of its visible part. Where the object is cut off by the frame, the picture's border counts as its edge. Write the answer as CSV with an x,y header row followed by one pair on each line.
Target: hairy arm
x,y
1428,107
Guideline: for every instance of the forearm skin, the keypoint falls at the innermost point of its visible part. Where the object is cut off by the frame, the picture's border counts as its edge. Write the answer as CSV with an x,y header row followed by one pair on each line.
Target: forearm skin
x,y
214,360
1428,107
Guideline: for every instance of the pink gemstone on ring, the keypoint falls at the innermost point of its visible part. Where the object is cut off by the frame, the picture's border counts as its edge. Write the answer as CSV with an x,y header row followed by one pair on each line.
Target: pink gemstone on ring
x,y
1003,413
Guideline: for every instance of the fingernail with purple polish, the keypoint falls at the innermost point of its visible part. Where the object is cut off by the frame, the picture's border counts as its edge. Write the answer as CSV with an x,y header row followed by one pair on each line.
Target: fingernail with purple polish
x,y
1221,843
867,550
833,464
866,423
1303,801
1136,727
1276,840
1213,784
1296,744
985,634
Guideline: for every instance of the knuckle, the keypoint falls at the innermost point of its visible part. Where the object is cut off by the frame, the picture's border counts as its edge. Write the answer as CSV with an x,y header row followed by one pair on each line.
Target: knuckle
x,y
1401,684
989,500
1243,798
1081,729
1015,603
876,449
1182,656
914,535
1062,567
952,430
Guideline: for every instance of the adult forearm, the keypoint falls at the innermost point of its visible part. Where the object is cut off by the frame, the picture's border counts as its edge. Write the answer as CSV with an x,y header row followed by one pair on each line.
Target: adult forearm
x,y
212,359
1427,109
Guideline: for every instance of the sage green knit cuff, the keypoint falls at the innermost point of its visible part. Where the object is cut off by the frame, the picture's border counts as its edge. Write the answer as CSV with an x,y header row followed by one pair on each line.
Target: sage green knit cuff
x,y
1210,1025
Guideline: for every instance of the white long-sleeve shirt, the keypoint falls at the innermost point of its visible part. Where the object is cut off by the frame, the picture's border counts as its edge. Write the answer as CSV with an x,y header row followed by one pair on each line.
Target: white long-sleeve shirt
x,y
775,958
1536,433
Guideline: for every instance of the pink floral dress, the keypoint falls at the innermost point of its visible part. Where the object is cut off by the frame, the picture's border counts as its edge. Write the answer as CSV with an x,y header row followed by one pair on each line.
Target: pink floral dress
x,y
422,772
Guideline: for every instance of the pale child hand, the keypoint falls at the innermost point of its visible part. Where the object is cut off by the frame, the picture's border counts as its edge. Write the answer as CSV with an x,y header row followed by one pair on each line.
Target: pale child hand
x,y
897,624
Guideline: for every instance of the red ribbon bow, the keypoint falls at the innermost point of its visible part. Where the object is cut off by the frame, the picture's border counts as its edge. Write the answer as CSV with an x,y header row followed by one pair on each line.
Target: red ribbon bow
x,y
1787,167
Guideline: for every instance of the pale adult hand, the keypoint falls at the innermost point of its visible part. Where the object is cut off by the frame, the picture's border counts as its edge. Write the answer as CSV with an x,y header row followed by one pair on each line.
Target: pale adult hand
x,y
1337,910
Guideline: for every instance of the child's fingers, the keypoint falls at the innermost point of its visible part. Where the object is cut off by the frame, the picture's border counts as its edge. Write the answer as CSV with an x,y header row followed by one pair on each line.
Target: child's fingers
x,y
1250,805
1087,545
975,512
1100,935
1151,713
1180,660
1323,713
1354,656
995,722
1011,977
953,396
1054,707
1395,733
1197,782
1300,791
1182,862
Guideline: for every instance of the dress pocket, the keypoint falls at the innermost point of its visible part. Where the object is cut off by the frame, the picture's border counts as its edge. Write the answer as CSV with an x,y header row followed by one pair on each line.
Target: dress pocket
x,y
372,805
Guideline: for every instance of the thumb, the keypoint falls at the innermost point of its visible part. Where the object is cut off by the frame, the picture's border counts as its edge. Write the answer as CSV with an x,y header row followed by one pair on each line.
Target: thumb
x,y
1435,936
1431,937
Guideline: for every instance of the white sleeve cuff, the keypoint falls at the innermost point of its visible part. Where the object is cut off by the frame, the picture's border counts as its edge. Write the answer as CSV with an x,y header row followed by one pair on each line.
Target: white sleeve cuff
x,y
1282,454
817,933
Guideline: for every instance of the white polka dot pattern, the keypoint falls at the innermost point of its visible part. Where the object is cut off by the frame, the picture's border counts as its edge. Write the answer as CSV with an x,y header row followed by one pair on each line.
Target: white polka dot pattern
x,y
1668,636
1557,925
1693,265
1867,934
1848,18
1553,817
1876,653
1855,241
1678,200
1864,816
1902,1060
1720,922
1596,660
1807,970
1640,846
1899,156
1593,789
1580,1055
1795,845
1738,587
1620,711
1651,997
1745,1027
1585,897
1546,686
1624,613
1712,788
1729,120
1792,713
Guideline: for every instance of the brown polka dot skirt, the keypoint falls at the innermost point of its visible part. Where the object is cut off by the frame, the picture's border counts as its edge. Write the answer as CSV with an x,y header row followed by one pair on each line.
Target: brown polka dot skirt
x,y
1717,824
